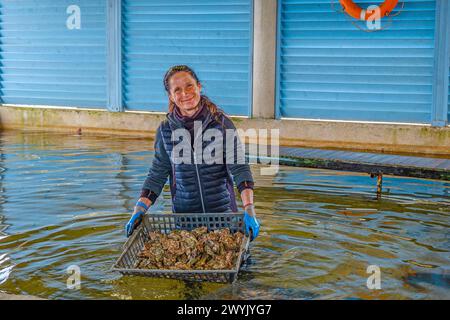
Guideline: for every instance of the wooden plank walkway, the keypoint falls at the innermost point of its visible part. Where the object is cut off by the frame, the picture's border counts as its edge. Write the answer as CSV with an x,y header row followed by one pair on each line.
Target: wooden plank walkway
x,y
409,166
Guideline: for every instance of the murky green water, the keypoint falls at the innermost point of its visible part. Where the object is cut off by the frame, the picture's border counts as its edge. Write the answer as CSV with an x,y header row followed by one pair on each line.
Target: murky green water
x,y
64,200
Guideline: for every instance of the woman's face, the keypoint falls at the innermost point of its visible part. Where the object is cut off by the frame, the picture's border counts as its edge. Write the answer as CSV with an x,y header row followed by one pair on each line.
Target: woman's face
x,y
184,91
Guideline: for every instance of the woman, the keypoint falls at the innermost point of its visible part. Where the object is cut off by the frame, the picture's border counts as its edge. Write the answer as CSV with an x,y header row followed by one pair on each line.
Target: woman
x,y
195,187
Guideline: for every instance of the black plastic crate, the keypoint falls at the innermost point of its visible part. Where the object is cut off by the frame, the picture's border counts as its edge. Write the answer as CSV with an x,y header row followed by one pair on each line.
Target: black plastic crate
x,y
164,223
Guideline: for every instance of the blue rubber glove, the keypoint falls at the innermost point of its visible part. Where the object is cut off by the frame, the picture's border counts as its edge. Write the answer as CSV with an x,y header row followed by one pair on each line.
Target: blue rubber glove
x,y
139,210
251,224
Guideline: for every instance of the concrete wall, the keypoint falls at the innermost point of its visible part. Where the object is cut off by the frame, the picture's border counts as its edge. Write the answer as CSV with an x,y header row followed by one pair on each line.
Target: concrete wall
x,y
332,134
264,57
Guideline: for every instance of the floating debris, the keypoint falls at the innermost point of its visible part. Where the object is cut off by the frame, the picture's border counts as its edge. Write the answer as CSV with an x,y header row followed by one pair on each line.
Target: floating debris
x,y
191,250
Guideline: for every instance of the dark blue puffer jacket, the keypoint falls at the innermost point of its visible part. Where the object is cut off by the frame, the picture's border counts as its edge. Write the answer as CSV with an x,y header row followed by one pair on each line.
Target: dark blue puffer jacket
x,y
195,188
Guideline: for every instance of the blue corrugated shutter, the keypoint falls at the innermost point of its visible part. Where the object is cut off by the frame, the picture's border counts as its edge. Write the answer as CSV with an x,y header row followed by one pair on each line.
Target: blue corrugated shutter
x,y
45,63
329,69
212,36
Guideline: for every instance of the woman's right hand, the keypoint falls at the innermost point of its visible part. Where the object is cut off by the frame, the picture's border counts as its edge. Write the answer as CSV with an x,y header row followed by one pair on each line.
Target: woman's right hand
x,y
140,209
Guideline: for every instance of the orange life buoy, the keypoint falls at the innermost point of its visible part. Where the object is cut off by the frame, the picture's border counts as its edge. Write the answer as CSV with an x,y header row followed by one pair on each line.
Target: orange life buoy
x,y
357,12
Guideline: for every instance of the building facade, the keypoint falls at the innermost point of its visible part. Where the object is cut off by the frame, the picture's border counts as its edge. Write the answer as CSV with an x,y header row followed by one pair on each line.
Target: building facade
x,y
261,59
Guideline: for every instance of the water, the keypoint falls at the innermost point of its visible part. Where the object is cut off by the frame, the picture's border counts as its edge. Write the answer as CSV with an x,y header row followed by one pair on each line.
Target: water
x,y
64,200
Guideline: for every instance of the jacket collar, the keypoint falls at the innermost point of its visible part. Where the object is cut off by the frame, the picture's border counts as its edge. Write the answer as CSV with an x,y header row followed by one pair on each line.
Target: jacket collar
x,y
175,123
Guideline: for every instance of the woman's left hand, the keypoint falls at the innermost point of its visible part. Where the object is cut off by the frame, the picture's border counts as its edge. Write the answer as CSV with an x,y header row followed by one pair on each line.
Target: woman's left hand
x,y
251,223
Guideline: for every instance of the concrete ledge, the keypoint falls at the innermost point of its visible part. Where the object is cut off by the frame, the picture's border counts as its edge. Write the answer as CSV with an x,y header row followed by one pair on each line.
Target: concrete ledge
x,y
5,296
375,137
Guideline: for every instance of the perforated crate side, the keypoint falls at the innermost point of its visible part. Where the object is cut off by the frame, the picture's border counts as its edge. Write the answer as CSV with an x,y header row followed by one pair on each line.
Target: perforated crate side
x,y
164,223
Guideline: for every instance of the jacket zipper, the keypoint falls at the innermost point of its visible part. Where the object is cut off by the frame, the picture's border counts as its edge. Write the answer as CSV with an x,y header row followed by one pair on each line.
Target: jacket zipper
x,y
199,182
198,175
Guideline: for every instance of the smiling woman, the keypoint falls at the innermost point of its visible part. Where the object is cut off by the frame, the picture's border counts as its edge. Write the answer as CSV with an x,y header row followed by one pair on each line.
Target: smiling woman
x,y
195,187
184,93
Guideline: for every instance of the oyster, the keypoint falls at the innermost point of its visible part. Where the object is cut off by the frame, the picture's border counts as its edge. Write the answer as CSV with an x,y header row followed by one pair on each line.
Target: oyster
x,y
191,250
181,266
154,236
169,260
199,231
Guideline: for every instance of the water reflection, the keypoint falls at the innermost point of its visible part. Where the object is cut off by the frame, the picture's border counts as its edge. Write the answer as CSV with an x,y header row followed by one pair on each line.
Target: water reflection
x,y
5,263
68,197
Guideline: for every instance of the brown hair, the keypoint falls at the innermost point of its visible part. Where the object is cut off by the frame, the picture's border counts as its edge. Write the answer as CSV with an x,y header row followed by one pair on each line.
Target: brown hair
x,y
215,111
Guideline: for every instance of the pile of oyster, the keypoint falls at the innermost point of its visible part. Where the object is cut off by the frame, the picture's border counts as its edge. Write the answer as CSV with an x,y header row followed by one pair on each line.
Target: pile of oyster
x,y
191,250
